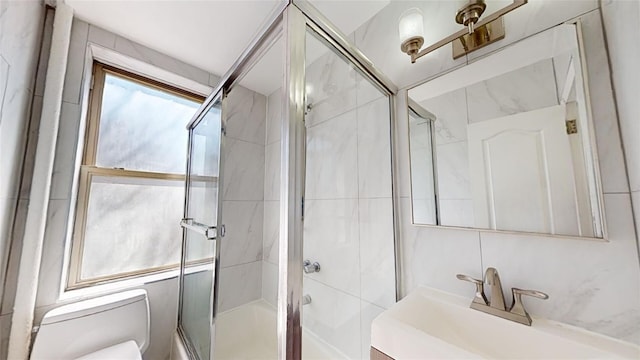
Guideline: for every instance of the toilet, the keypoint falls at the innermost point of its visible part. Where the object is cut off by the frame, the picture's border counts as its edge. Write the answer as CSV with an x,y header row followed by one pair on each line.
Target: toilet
x,y
114,326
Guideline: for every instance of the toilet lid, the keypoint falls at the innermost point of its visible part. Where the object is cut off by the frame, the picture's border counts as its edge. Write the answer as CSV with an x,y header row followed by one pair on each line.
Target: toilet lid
x,y
127,350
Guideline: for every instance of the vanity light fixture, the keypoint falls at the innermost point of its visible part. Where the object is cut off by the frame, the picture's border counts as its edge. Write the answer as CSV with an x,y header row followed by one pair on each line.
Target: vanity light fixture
x,y
478,33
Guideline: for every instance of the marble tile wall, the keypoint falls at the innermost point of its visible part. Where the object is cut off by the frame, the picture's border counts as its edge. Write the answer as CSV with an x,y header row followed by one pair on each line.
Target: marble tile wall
x,y
271,224
348,225
21,38
593,285
348,220
624,51
163,294
243,206
528,88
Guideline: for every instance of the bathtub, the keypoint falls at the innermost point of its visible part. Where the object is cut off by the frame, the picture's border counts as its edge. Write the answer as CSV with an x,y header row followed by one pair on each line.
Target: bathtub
x,y
249,332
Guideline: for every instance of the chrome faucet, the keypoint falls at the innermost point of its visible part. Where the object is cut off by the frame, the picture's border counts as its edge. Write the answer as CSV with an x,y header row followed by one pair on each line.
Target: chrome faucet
x,y
492,279
495,305
310,268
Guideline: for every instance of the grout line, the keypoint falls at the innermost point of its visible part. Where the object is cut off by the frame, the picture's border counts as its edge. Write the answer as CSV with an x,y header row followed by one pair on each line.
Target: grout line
x,y
371,101
270,262
231,200
358,110
332,287
244,141
450,143
350,198
333,117
237,265
481,256
264,190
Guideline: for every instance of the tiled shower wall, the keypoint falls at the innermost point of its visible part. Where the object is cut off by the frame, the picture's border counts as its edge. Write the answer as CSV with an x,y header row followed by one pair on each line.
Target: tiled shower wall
x,y
21,37
348,226
271,224
243,195
593,285
624,52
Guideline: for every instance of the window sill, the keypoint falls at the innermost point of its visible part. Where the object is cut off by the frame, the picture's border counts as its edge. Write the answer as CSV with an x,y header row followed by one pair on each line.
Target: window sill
x,y
120,285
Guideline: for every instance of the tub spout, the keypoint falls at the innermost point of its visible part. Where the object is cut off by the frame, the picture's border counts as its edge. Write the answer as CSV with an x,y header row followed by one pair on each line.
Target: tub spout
x,y
306,299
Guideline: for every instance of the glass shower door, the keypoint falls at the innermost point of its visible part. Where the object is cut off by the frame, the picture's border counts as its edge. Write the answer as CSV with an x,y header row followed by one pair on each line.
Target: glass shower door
x,y
201,233
348,205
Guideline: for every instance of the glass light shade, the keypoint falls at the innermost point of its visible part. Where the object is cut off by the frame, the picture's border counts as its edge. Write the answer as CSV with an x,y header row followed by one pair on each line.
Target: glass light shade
x,y
411,24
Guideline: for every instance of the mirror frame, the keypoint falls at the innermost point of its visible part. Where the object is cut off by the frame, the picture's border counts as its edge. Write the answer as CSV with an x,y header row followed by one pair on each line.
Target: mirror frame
x,y
591,153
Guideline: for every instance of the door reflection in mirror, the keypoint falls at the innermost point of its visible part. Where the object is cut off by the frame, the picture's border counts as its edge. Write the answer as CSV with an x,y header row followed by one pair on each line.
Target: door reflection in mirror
x,y
511,136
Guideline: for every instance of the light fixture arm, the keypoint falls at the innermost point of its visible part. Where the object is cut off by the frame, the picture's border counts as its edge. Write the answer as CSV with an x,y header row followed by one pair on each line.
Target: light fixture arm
x,y
491,17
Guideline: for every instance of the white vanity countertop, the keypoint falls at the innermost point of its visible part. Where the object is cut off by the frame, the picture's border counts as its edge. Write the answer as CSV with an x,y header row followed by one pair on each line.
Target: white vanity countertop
x,y
433,324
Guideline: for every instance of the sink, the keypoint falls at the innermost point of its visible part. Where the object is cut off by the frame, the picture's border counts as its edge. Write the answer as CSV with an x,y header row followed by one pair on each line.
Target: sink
x,y
433,324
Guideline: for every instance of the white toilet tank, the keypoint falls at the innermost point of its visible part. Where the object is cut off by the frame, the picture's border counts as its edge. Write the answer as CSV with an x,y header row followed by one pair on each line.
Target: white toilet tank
x,y
88,326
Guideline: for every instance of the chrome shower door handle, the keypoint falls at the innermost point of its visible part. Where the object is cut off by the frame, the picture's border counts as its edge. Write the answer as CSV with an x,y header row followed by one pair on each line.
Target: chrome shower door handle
x,y
210,232
479,297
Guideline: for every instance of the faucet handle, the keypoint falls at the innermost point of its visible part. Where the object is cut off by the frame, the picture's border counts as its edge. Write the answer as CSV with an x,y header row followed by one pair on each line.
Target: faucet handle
x,y
469,279
533,293
310,268
517,307
479,298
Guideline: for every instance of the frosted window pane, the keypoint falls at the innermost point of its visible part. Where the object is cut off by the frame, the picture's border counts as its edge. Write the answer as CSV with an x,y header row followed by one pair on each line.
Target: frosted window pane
x,y
205,152
132,224
203,202
142,128
205,158
196,305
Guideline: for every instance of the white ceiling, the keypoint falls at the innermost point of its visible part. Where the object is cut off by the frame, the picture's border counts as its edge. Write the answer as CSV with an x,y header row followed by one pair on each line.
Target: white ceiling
x,y
211,34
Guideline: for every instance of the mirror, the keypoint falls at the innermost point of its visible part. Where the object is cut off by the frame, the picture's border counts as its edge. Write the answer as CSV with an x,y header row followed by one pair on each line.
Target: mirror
x,y
505,142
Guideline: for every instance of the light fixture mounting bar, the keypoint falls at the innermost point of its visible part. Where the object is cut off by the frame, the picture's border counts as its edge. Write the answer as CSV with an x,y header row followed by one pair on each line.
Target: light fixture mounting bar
x,y
491,17
481,37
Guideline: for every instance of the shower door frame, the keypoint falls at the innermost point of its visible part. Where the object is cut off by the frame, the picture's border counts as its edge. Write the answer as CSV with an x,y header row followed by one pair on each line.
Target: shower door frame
x,y
300,17
245,62
291,20
218,96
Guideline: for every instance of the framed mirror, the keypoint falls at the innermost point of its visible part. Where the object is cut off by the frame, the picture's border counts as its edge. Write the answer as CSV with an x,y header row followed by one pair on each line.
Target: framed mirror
x,y
506,142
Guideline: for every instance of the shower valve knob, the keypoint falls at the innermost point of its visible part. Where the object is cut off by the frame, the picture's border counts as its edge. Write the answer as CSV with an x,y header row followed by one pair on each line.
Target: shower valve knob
x,y
311,268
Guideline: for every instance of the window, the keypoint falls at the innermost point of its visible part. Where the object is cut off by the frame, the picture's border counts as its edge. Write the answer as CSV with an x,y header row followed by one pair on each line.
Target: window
x,y
131,191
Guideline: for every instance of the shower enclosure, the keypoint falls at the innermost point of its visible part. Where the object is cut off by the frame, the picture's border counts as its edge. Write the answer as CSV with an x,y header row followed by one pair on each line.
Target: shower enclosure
x,y
289,160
